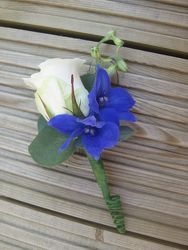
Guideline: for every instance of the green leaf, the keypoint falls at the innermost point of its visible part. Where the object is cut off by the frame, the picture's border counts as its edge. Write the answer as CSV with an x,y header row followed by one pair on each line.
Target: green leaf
x,y
42,123
125,132
88,80
44,148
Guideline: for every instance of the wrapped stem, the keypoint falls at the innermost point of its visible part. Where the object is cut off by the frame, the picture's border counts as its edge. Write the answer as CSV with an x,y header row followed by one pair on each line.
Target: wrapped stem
x,y
113,201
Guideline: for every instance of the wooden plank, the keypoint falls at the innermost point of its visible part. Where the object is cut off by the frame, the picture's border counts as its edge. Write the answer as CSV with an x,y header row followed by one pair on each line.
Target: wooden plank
x,y
177,5
110,7
76,213
92,214
149,171
67,239
140,63
175,212
76,163
7,246
37,239
124,176
84,172
175,2
151,26
80,45
20,215
7,243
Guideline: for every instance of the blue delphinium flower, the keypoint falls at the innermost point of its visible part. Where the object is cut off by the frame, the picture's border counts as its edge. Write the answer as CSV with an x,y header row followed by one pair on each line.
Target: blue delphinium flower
x,y
111,104
95,135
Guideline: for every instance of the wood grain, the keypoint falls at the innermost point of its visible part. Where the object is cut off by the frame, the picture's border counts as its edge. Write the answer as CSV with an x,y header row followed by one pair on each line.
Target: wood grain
x,y
52,203
50,223
151,26
62,207
176,5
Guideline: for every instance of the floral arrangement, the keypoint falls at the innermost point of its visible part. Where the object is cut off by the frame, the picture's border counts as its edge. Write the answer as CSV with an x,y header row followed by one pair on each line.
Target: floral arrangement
x,y
82,112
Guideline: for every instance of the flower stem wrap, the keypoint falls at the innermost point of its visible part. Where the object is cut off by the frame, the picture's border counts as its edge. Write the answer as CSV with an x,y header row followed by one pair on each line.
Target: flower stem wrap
x,y
113,201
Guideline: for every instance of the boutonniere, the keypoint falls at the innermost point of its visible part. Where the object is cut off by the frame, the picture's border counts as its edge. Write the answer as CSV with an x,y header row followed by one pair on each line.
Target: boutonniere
x,y
82,112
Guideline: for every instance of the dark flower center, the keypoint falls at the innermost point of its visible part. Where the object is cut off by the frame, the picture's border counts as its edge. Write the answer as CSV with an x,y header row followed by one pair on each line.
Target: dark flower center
x,y
90,131
102,100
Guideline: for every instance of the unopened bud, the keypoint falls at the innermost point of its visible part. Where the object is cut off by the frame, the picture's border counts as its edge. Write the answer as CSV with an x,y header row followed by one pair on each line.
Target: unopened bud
x,y
121,65
110,34
111,69
118,42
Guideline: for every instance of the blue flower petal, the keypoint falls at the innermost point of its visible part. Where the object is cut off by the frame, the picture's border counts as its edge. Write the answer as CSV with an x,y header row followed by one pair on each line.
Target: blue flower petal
x,y
102,81
91,121
120,99
65,124
107,137
100,88
93,104
127,116
70,138
109,115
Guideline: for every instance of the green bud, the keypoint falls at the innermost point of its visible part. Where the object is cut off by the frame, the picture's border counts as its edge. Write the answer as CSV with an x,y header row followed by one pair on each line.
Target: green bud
x,y
121,65
112,69
118,42
110,34
95,52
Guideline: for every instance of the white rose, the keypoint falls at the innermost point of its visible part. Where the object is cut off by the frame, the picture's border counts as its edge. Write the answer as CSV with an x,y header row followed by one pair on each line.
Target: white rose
x,y
53,87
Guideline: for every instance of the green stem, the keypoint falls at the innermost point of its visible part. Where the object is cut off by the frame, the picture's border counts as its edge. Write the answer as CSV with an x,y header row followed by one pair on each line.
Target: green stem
x,y
113,201
98,170
117,52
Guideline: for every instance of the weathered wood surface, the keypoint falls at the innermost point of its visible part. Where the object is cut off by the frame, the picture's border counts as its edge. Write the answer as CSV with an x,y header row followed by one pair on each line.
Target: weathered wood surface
x,y
163,29
57,232
62,208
